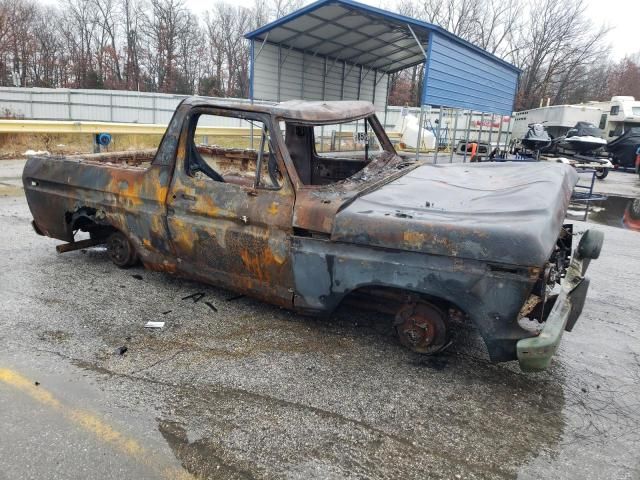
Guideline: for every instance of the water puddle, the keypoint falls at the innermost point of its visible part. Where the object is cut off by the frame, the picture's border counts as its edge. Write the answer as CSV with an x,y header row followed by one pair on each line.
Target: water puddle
x,y
614,211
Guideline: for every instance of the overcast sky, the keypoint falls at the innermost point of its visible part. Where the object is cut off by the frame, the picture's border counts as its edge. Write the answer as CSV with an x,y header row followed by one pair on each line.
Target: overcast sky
x,y
623,16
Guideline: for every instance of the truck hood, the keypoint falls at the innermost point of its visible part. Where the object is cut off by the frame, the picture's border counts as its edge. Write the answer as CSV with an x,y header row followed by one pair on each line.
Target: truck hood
x,y
508,213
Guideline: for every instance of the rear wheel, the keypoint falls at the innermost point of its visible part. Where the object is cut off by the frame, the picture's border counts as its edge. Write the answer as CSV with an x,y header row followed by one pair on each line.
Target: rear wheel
x,y
421,327
121,250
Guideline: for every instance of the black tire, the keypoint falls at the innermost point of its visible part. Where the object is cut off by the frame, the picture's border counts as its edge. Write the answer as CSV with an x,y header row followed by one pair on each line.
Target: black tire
x,y
591,244
601,173
121,251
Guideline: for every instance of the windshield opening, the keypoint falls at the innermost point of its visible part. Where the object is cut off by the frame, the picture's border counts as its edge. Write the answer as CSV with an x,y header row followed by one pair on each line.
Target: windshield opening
x,y
325,154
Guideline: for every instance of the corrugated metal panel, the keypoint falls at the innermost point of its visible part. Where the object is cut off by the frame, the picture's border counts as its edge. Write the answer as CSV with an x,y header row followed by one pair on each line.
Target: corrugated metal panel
x,y
313,72
265,73
381,92
290,75
458,76
302,77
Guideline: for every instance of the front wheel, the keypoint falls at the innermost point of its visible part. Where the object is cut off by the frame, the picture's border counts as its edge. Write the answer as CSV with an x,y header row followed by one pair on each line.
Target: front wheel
x,y
421,327
121,250
601,173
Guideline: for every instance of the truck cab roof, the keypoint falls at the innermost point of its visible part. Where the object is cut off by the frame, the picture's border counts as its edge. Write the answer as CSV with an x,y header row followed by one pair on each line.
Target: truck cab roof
x,y
297,111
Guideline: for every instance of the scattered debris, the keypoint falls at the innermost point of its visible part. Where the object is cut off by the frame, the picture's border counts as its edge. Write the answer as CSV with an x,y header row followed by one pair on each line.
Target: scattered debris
x,y
211,306
196,297
154,325
137,276
236,297
122,350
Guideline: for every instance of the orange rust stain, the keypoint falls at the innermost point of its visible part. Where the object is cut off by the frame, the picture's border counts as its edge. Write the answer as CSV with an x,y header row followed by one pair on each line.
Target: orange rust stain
x,y
161,193
206,204
258,263
419,240
414,239
273,208
127,185
182,235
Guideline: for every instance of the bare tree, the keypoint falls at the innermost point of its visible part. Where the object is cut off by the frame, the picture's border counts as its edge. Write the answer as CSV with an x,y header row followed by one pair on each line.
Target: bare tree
x,y
78,23
159,45
165,23
559,41
131,15
108,22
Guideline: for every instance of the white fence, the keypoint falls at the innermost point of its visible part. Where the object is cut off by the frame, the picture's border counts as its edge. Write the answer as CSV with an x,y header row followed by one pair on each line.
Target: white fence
x,y
89,105
157,108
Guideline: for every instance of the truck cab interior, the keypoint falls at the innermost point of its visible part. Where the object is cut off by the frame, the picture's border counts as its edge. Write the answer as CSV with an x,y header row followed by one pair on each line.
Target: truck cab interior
x,y
236,162
325,154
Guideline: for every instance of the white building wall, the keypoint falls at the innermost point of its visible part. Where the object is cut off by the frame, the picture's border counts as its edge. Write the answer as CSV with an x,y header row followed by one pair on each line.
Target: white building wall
x,y
302,76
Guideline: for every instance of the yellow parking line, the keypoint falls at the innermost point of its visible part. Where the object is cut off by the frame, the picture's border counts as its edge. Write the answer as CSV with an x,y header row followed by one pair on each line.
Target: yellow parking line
x,y
91,423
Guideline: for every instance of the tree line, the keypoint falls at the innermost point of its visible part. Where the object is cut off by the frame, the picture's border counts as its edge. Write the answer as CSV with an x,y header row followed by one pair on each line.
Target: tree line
x,y
163,46
145,45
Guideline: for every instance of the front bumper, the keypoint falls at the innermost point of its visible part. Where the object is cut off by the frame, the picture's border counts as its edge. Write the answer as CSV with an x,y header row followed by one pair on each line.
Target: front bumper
x,y
534,354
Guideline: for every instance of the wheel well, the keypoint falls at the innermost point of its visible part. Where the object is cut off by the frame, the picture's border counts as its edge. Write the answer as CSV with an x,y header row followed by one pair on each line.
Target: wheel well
x,y
84,219
389,299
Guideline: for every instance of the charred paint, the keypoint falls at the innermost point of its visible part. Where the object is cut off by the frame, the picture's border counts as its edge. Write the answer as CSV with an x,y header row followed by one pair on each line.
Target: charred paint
x,y
473,236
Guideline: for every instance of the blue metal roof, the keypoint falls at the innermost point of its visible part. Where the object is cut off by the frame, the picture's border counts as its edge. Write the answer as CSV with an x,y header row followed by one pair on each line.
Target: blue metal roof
x,y
355,33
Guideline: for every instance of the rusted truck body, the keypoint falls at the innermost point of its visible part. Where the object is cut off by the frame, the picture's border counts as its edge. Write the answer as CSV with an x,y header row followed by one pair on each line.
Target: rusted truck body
x,y
291,225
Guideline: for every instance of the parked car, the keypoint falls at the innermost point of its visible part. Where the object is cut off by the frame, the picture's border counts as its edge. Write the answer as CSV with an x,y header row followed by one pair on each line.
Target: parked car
x,y
299,215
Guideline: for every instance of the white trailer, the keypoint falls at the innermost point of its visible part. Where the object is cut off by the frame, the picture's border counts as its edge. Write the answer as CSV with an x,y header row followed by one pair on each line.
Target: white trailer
x,y
557,119
613,117
617,116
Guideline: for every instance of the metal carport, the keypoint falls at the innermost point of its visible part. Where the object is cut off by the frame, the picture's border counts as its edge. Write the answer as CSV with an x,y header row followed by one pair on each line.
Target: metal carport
x,y
345,50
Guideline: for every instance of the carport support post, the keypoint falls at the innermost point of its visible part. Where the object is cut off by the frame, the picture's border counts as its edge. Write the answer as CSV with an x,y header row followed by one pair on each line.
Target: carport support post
x,y
324,86
466,138
279,70
386,100
344,68
435,156
419,142
500,136
424,54
480,136
453,138
490,132
251,92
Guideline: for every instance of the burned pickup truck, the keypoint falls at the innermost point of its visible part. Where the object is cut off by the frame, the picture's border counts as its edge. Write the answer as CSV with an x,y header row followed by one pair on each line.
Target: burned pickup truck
x,y
307,205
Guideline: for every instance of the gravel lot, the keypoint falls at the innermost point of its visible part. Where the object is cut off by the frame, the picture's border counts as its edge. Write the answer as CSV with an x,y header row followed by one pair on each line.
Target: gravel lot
x,y
252,391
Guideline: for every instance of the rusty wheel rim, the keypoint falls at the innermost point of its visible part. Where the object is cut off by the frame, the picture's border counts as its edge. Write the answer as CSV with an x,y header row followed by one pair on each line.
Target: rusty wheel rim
x,y
421,328
119,249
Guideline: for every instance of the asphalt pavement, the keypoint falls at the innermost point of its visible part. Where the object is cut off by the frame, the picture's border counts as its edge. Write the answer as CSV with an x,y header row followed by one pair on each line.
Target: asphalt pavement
x,y
247,390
